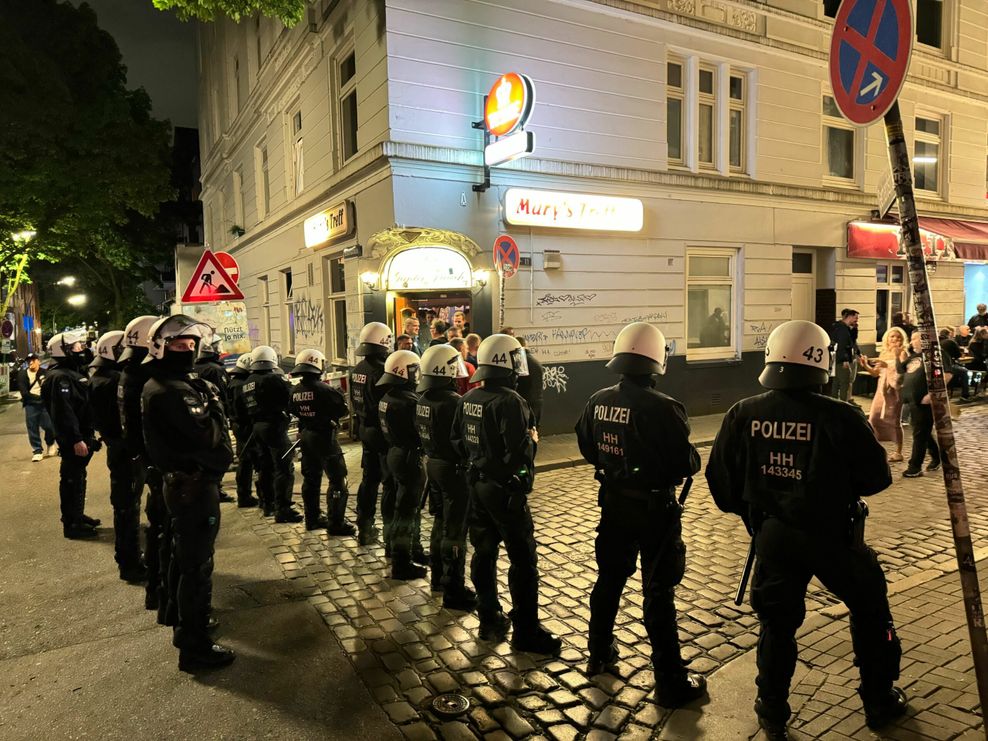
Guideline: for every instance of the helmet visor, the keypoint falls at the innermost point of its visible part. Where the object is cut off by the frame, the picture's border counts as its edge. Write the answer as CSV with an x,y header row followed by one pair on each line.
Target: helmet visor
x,y
519,362
460,368
413,373
73,336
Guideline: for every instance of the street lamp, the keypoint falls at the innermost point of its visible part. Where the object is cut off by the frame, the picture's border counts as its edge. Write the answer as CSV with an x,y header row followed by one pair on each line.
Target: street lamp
x,y
76,299
68,280
23,236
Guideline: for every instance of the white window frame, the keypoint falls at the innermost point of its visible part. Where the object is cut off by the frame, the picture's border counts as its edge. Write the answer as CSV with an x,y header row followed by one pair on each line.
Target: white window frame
x,y
677,93
288,315
237,102
901,288
839,122
262,179
238,198
729,351
264,294
941,141
342,92
296,152
946,24
334,301
722,104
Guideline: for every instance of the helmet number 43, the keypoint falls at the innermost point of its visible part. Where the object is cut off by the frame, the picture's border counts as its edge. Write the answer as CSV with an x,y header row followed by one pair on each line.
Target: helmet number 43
x,y
814,354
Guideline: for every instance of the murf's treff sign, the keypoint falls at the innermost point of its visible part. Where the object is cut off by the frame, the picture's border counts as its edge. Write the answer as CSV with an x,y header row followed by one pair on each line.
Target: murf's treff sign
x,y
543,208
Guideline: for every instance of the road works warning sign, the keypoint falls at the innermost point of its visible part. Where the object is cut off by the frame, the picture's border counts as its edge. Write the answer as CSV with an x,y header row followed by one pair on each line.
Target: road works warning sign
x,y
211,282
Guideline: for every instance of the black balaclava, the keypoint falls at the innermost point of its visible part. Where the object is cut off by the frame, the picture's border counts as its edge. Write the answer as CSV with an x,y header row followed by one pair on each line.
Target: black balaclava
x,y
179,361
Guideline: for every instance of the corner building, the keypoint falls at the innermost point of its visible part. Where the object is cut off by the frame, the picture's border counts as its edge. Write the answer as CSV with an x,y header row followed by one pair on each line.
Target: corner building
x,y
339,160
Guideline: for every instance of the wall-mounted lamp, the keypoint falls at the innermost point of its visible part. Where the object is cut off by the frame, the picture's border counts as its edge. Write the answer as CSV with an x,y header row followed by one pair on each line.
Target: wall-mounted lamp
x,y
480,277
370,279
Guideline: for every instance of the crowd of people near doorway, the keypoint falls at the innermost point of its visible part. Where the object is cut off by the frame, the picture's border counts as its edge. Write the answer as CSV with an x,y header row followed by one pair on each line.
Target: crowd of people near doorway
x,y
902,394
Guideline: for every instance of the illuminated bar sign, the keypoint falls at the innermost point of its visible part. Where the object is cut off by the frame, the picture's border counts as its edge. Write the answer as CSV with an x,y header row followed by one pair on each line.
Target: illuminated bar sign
x,y
523,207
328,225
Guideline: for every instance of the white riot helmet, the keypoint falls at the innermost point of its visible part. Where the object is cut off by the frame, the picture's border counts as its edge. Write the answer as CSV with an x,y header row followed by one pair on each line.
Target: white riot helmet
x,y
175,327
499,356
309,361
797,355
263,357
639,349
242,367
211,347
137,337
441,365
108,348
375,339
60,346
401,367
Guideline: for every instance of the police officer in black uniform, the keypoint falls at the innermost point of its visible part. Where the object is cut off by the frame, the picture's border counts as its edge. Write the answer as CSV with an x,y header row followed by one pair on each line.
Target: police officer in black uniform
x,y
209,367
266,396
441,365
65,394
103,380
637,439
375,345
780,461
157,539
319,408
242,432
187,438
493,431
396,412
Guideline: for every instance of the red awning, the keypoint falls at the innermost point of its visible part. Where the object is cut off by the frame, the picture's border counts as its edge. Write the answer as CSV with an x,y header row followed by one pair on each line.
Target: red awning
x,y
970,238
880,241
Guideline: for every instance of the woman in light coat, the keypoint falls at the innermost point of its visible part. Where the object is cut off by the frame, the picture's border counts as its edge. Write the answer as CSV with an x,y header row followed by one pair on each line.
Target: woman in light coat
x,y
886,408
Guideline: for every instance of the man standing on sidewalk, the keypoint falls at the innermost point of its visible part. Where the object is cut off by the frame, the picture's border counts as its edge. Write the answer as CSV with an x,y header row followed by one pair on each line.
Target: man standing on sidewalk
x,y
844,338
780,463
638,440
35,415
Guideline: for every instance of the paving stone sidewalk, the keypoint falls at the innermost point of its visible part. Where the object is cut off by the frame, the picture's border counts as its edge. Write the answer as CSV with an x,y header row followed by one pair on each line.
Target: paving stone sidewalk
x,y
407,649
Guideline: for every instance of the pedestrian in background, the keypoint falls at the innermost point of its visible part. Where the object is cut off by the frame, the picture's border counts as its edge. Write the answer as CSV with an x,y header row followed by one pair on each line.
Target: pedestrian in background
x,y
885,415
464,384
36,417
473,344
844,338
980,319
531,386
438,329
916,394
404,342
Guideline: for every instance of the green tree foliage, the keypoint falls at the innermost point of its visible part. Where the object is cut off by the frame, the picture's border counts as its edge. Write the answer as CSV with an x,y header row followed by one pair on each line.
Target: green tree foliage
x,y
288,12
82,162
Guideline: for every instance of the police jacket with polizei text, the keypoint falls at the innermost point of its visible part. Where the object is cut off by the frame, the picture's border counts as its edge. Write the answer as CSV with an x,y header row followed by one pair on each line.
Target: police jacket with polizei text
x,y
639,437
798,456
317,405
184,424
212,370
434,421
103,398
366,392
266,396
132,379
396,412
491,431
65,394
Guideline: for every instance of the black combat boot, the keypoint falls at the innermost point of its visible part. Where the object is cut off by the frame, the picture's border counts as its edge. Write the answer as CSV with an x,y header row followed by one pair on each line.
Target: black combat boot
x,y
678,690
79,531
288,514
459,598
90,521
535,639
494,627
134,573
772,720
247,501
368,535
210,656
882,710
420,556
603,659
319,522
407,571
336,506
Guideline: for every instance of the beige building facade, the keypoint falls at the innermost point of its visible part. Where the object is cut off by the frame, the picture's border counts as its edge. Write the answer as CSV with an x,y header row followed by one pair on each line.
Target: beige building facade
x,y
340,159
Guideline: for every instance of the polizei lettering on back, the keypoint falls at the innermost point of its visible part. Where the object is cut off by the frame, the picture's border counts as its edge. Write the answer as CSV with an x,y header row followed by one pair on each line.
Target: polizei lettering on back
x,y
473,410
774,430
621,415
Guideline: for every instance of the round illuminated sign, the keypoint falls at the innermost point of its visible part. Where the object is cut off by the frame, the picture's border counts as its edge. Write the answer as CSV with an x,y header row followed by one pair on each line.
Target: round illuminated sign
x,y
509,103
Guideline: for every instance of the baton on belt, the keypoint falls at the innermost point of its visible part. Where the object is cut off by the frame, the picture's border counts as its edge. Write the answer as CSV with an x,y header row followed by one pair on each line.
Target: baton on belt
x,y
745,573
686,490
289,451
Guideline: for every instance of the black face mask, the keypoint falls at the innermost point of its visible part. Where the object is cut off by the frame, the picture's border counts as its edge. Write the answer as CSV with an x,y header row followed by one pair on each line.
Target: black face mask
x,y
179,362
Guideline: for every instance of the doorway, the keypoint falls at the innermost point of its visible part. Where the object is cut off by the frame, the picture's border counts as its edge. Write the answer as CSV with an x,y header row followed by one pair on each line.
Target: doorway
x,y
804,285
427,306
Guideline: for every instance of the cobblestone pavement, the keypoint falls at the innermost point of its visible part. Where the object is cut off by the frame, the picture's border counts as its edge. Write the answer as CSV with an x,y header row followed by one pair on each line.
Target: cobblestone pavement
x,y
407,649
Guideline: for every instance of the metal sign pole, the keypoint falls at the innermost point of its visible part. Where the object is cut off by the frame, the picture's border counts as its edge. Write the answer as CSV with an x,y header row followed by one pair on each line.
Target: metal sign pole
x,y
923,306
500,297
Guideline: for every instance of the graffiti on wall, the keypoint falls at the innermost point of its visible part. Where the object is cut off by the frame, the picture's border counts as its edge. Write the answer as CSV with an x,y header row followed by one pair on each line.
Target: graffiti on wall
x,y
554,377
310,322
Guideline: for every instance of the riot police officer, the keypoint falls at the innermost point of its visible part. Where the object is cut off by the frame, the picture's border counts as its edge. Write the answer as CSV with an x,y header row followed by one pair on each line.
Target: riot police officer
x,y
493,431
104,377
780,462
266,397
396,412
375,345
441,365
209,367
242,432
132,379
65,394
637,439
319,408
187,439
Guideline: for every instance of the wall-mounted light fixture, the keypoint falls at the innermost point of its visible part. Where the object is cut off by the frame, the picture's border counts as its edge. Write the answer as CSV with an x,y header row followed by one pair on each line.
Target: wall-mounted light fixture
x,y
370,279
480,277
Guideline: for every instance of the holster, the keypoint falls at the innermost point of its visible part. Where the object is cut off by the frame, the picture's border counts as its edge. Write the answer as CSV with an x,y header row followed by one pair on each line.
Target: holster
x,y
858,512
183,487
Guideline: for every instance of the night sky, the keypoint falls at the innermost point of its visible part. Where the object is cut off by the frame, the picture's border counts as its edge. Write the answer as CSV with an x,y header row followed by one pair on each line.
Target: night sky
x,y
159,52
